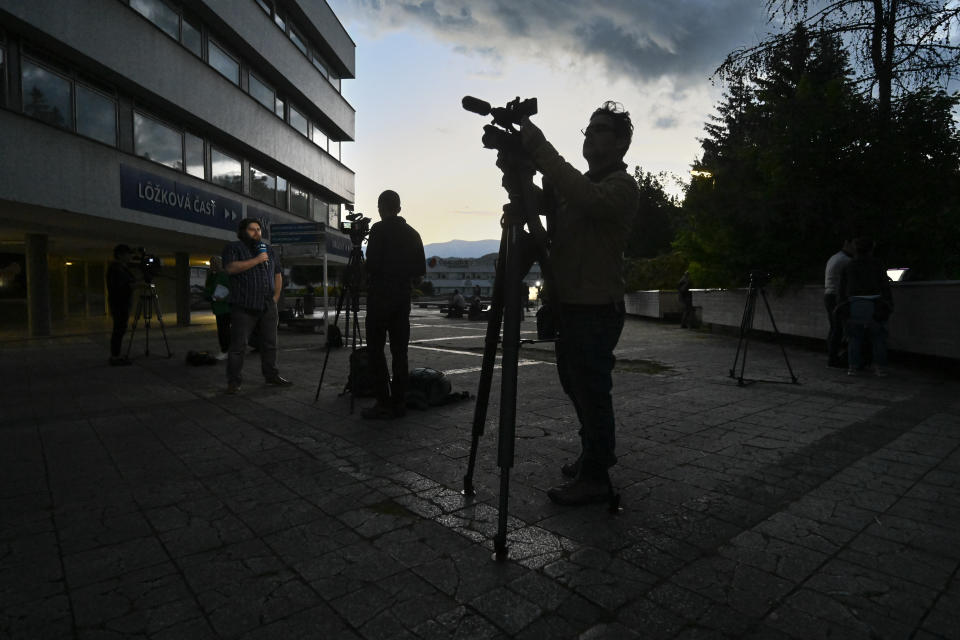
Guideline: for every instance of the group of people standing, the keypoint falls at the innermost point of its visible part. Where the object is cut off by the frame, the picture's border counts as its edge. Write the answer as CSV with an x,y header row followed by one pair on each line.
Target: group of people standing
x,y
858,301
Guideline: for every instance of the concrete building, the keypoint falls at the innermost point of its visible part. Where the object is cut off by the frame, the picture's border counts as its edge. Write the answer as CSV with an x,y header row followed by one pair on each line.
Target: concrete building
x,y
463,274
161,124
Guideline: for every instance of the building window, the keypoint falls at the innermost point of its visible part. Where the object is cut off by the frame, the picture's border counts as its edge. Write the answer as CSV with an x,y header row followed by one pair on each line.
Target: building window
x,y
193,152
335,81
96,115
264,6
318,210
223,62
319,137
319,63
280,22
334,149
191,37
278,107
263,186
46,95
299,122
262,92
156,141
299,202
225,171
297,41
333,216
281,193
159,14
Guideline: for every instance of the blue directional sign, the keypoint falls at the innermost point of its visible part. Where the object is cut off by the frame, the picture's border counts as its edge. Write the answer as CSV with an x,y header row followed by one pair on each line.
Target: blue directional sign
x,y
145,191
297,232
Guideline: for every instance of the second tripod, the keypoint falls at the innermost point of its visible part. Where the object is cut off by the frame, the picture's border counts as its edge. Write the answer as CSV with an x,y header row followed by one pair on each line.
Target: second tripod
x,y
148,304
757,279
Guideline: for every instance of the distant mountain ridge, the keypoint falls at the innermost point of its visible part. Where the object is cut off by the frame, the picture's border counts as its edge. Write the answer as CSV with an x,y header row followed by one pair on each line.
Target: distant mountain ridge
x,y
461,248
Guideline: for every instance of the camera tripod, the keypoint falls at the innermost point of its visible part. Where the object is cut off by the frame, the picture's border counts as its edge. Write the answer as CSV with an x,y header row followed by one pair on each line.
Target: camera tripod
x,y
746,324
349,294
148,304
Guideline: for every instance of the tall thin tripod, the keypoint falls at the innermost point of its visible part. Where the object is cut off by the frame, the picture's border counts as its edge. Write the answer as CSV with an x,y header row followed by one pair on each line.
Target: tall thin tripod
x,y
350,292
518,250
746,324
148,304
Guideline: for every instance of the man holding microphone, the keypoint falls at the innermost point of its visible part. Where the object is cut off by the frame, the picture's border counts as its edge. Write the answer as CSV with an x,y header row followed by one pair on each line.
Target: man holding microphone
x,y
256,282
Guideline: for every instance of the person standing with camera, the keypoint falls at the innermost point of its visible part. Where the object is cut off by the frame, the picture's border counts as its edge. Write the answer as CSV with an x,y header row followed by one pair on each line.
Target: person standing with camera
x,y
590,225
256,282
120,282
395,262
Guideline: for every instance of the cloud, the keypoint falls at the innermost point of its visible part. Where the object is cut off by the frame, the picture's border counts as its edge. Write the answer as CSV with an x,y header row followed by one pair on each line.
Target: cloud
x,y
645,39
665,122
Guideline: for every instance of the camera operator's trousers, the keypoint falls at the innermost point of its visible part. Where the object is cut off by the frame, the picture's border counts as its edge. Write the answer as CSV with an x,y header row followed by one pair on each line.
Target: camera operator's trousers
x,y
386,315
242,323
585,360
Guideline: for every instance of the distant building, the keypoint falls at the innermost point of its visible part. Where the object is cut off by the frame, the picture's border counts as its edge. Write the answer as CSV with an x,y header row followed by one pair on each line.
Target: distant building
x,y
162,123
463,274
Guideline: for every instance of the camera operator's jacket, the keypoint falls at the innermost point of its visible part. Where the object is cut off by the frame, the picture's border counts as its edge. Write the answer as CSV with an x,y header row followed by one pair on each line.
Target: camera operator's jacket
x,y
394,257
595,212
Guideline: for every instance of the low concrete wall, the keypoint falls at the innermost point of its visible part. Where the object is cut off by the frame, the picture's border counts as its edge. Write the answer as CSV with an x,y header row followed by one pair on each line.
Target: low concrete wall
x,y
652,304
925,318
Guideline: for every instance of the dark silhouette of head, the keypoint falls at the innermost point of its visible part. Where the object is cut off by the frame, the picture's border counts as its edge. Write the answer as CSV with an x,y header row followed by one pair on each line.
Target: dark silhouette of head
x,y
608,136
388,204
121,251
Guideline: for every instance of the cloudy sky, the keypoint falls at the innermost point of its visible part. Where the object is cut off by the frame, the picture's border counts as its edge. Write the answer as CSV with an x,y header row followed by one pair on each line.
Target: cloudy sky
x,y
416,59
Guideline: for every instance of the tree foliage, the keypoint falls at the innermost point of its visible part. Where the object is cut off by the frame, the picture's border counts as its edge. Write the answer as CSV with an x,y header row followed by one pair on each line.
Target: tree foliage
x,y
898,46
657,217
796,164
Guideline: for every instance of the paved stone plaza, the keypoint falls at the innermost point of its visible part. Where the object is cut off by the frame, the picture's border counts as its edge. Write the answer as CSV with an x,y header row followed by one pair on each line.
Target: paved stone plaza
x,y
143,502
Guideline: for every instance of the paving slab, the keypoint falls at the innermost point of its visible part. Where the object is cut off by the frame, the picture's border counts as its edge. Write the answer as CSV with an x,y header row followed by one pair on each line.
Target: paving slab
x,y
144,502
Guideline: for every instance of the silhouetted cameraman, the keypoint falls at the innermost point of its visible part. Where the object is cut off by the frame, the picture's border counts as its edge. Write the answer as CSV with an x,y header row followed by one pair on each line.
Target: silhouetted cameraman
x,y
589,229
395,262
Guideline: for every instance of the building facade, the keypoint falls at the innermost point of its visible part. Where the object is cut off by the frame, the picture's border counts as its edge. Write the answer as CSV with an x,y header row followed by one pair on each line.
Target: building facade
x,y
160,124
447,275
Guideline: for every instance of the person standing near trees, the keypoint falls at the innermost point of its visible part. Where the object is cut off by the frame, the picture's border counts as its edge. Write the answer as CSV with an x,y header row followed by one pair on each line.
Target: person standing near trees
x,y
831,284
591,226
686,300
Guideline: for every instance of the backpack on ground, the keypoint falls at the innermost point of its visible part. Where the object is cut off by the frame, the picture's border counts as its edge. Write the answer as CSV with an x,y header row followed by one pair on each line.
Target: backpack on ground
x,y
430,388
360,380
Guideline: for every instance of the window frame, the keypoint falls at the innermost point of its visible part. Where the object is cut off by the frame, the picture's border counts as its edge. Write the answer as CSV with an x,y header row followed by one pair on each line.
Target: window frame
x,y
250,169
71,117
203,153
110,96
149,114
219,150
213,42
252,76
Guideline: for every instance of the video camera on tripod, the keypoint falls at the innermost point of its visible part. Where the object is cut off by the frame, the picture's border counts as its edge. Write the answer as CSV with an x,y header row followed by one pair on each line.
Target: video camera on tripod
x,y
356,226
502,135
149,264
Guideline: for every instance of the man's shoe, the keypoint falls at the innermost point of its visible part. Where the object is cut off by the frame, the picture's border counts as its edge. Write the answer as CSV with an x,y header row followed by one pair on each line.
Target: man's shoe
x,y
378,412
221,356
571,469
233,388
278,381
581,491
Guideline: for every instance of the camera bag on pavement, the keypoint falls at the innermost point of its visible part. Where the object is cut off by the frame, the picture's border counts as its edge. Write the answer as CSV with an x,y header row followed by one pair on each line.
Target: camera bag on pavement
x,y
430,388
361,377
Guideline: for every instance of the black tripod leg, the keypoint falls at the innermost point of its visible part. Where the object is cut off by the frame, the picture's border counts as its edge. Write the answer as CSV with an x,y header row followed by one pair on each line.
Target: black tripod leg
x,y
508,382
326,332
163,330
486,368
751,309
744,327
133,329
776,332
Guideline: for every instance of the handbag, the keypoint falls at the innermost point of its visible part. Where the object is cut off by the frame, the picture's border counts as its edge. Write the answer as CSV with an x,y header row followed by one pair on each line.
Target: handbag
x,y
220,293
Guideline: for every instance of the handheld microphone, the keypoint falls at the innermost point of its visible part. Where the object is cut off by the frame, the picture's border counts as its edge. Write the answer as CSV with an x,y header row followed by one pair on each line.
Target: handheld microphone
x,y
261,247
